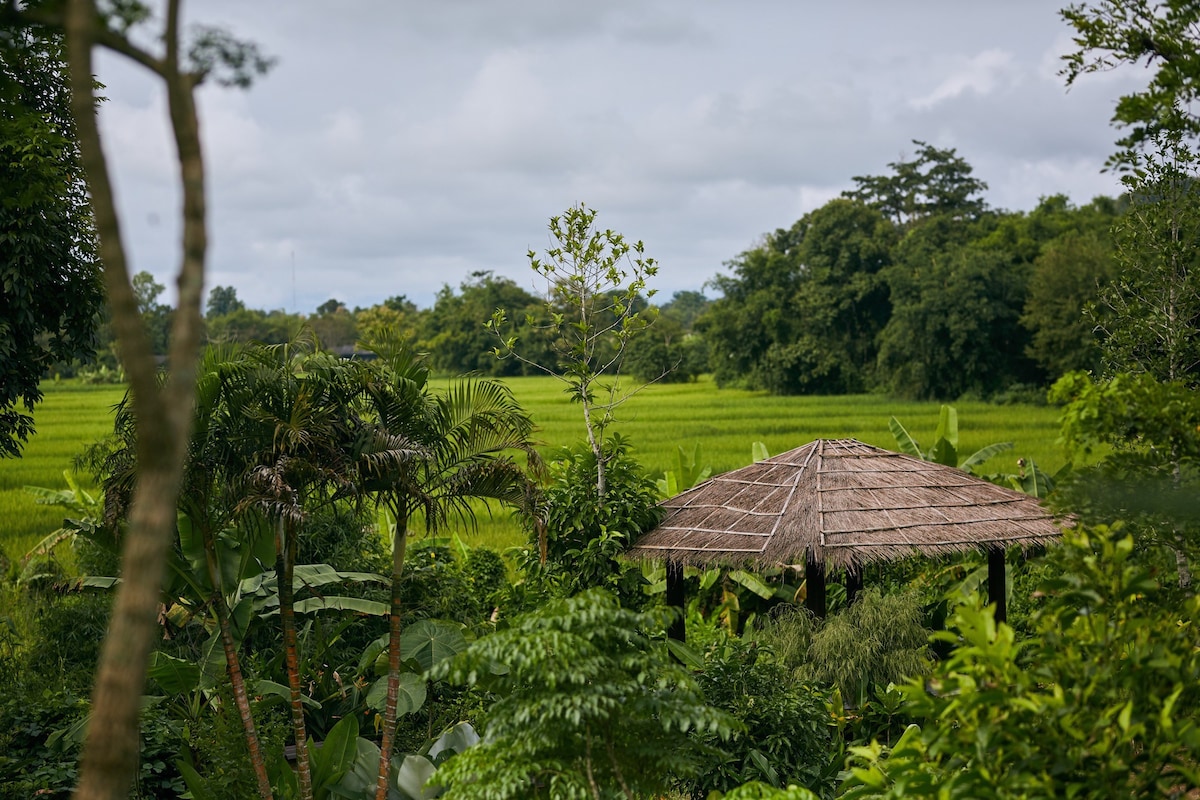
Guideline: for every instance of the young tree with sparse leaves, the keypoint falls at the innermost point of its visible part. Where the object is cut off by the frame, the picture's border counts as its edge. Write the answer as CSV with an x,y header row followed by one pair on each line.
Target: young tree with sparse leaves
x,y
594,307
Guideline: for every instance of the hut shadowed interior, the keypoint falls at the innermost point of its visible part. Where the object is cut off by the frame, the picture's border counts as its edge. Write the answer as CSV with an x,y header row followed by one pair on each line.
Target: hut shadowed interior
x,y
840,504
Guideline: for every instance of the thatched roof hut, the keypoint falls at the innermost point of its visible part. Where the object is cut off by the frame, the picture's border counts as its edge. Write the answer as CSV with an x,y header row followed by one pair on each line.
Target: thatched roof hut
x,y
841,504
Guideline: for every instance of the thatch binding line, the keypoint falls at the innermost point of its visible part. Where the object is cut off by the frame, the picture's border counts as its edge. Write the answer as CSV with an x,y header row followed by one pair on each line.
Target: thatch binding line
x,y
841,503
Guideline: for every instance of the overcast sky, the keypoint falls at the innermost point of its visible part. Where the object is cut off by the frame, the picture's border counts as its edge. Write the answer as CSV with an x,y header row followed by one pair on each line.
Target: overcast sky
x,y
397,146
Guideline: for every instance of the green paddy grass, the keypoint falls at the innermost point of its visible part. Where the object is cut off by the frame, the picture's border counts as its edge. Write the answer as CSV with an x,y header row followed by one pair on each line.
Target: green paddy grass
x,y
726,422
723,422
72,416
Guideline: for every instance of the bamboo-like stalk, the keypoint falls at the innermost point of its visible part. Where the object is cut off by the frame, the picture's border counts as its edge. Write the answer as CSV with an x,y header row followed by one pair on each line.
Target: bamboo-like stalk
x,y
285,559
399,546
233,667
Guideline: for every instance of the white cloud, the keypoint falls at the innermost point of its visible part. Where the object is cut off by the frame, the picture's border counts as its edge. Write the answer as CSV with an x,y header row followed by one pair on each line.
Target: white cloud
x,y
981,74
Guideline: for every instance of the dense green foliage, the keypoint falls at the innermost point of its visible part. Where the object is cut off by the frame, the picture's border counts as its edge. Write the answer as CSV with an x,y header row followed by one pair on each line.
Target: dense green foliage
x,y
579,538
50,288
942,300
1159,33
588,704
1099,703
784,733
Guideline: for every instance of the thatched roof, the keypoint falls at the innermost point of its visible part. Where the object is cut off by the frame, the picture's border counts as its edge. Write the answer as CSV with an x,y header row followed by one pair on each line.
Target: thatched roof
x,y
841,503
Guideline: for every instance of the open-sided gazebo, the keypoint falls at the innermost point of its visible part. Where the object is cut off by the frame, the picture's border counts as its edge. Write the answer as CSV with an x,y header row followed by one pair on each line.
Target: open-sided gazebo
x,y
840,504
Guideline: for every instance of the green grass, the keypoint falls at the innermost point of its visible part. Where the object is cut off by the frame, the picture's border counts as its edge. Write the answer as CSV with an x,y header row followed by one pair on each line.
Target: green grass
x,y
724,422
72,416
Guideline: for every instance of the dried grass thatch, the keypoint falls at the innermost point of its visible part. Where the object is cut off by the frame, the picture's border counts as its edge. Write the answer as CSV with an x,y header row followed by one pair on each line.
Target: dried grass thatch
x,y
841,503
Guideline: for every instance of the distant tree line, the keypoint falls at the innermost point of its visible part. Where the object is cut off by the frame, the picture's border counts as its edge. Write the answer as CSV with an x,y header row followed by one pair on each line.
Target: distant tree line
x,y
452,331
907,284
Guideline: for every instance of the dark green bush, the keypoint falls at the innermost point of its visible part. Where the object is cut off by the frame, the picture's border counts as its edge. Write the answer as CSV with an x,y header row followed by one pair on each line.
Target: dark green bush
x,y
345,540
586,537
787,733
1101,702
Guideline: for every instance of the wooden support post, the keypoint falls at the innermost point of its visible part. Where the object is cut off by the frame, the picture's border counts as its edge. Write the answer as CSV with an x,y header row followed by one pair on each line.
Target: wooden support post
x,y
854,584
676,598
997,591
814,575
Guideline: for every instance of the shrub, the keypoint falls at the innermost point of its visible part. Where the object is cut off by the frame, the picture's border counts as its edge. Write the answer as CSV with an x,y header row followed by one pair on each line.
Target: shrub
x,y
585,537
588,705
1100,703
785,727
878,640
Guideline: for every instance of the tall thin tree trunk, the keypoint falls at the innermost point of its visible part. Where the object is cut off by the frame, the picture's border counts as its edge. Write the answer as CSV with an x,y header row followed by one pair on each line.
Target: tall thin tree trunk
x,y
234,669
285,559
399,546
163,417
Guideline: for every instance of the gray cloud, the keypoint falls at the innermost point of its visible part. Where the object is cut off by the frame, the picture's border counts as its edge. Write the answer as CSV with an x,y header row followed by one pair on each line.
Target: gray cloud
x,y
399,145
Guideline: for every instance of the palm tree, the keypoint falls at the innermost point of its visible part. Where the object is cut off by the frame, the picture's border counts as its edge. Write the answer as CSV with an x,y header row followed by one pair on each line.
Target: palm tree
x,y
296,437
204,500
457,446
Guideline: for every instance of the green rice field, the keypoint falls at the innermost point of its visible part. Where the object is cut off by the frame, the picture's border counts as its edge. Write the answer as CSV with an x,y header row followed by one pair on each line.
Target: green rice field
x,y
723,422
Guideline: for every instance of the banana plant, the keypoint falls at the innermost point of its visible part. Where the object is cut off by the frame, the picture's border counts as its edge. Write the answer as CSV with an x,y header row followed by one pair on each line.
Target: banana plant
x,y
687,472
87,511
945,445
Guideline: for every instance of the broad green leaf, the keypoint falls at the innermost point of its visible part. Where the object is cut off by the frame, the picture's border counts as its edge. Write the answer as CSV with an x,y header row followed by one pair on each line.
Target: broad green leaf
x,y
337,603
359,781
429,642
197,786
455,740
906,443
943,452
336,755
323,574
752,582
212,662
758,452
284,780
97,582
1035,482
411,696
948,426
174,675
984,453
415,772
765,767
686,655
372,652
265,687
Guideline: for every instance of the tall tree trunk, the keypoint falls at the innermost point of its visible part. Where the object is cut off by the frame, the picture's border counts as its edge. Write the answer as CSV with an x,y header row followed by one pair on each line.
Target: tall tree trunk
x,y
164,416
285,560
234,668
399,546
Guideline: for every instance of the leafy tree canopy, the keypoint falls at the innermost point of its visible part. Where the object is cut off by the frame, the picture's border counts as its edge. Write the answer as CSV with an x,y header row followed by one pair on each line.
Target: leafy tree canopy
x,y
935,181
50,287
1163,35
222,300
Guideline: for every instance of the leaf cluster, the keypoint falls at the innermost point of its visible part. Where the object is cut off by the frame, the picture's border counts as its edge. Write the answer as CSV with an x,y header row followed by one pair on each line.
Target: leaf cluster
x,y
589,704
1100,702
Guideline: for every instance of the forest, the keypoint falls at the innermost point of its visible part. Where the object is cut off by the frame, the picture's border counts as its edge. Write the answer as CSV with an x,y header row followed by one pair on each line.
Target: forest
x,y
272,590
840,303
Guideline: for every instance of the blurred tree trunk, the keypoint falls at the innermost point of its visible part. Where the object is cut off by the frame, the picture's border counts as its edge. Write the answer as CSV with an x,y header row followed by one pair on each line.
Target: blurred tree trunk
x,y
163,410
